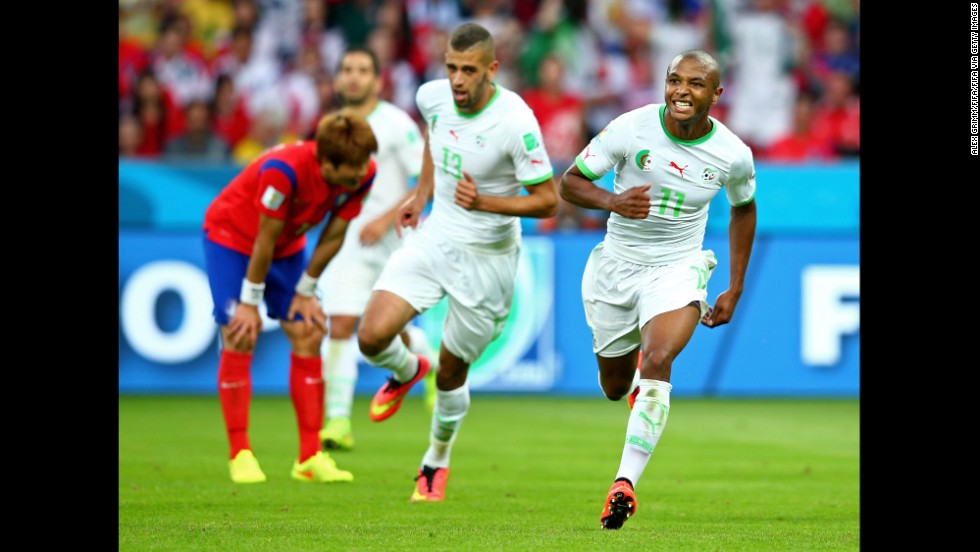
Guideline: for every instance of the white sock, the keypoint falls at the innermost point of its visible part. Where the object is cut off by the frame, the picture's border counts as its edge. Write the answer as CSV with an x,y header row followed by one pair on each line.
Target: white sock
x,y
420,345
451,407
396,358
646,424
340,375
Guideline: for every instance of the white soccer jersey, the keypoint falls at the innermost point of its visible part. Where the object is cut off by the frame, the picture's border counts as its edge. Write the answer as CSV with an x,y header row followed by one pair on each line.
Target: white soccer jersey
x,y
399,158
685,176
500,148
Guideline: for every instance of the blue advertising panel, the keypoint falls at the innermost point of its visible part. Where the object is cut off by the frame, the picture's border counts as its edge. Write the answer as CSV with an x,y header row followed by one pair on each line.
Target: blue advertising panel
x,y
796,331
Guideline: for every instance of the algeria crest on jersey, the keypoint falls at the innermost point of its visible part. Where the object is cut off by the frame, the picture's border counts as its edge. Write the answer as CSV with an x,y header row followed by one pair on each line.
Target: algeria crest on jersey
x,y
644,161
709,174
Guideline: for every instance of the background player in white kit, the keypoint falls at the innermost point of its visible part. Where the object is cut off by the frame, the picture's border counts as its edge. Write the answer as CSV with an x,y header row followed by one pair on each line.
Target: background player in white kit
x,y
371,239
483,146
646,283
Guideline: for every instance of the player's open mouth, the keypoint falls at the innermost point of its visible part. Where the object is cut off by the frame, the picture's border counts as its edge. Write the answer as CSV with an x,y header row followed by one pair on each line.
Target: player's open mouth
x,y
459,95
682,107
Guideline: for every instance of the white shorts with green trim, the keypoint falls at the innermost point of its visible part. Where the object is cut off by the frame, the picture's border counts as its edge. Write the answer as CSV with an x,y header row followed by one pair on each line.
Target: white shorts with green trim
x,y
620,296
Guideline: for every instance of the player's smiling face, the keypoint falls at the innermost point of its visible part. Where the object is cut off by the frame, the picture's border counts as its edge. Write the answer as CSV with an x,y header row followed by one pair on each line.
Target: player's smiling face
x,y
690,90
470,76
356,81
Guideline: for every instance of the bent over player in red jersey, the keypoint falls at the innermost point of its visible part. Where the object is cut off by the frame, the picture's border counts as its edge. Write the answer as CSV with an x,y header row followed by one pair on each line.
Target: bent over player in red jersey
x,y
255,250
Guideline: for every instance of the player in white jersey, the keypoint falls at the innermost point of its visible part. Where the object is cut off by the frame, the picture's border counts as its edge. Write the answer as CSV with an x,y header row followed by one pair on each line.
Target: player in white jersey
x,y
482,148
646,283
346,285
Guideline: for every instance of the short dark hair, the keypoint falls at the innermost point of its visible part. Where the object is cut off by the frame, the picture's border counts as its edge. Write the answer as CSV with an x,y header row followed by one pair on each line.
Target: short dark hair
x,y
361,50
469,35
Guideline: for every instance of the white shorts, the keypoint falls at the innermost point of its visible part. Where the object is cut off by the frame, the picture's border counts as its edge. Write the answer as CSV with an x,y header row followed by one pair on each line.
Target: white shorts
x,y
345,285
479,281
620,296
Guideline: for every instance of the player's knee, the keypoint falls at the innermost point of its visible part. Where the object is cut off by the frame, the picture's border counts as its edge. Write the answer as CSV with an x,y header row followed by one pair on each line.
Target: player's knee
x,y
615,388
370,341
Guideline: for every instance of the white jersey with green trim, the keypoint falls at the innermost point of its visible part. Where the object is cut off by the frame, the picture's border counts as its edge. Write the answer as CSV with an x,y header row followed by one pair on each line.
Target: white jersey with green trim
x,y
399,158
685,176
500,147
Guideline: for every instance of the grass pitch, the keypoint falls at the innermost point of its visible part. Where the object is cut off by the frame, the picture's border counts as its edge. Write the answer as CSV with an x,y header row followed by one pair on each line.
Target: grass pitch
x,y
528,473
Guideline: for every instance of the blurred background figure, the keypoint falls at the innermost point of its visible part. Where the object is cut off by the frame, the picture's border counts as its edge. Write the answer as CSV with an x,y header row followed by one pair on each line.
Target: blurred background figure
x,y
181,70
199,142
802,144
160,116
268,129
130,136
838,116
760,88
231,118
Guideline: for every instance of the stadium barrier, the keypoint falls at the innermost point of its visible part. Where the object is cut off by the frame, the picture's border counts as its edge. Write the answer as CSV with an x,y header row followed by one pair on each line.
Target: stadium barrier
x,y
796,332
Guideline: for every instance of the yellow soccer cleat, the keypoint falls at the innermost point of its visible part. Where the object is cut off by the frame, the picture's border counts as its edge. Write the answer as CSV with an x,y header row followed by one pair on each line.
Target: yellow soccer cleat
x,y
245,468
320,468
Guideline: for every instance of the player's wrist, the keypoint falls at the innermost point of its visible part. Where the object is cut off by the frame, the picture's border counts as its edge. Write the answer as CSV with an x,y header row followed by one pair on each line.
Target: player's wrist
x,y
306,285
251,293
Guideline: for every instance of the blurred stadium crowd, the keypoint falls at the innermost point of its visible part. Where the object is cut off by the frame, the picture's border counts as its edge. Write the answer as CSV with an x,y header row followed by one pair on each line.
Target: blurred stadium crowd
x,y
222,80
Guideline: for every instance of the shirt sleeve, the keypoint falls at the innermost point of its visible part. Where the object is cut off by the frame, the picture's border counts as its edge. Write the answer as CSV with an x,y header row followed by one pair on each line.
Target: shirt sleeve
x,y
531,162
277,183
740,187
605,149
410,149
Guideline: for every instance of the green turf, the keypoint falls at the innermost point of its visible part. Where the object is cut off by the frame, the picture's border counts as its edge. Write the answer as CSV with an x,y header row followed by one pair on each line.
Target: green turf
x,y
528,473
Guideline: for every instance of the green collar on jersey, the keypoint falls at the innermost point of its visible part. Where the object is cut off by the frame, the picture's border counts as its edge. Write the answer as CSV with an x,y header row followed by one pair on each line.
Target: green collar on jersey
x,y
696,141
496,94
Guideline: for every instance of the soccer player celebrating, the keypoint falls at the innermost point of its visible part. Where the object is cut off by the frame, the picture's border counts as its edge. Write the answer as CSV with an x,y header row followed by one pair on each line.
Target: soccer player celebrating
x,y
346,284
254,250
646,282
482,147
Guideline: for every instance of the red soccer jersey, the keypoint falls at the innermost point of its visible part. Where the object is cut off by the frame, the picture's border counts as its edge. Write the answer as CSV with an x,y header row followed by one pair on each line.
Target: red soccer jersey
x,y
284,183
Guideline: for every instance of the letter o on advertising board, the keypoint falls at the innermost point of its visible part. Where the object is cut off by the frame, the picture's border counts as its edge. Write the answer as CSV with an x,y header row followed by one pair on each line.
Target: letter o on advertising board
x,y
138,312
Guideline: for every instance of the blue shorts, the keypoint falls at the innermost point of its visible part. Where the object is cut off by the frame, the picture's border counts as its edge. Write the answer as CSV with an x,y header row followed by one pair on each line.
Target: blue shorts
x,y
226,268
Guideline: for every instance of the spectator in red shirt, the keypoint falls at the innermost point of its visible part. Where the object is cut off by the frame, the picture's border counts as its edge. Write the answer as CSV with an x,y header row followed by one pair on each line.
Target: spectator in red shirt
x,y
802,144
838,116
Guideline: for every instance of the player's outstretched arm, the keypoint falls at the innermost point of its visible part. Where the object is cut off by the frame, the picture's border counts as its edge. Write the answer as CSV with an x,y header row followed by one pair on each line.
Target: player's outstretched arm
x,y
578,189
741,235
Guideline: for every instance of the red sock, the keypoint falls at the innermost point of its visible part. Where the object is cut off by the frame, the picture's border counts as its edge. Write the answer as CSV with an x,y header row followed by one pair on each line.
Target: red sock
x,y
235,393
306,389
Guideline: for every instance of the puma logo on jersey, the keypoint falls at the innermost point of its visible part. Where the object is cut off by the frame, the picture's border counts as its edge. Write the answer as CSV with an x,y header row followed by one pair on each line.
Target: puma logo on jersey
x,y
454,135
679,169
537,162
588,153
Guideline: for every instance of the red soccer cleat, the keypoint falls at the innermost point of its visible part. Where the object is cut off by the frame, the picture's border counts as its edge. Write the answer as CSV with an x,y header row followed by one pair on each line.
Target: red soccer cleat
x,y
620,505
391,395
430,484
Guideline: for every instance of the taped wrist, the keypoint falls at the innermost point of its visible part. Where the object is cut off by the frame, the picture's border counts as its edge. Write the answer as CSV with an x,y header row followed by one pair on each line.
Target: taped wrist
x,y
251,292
306,286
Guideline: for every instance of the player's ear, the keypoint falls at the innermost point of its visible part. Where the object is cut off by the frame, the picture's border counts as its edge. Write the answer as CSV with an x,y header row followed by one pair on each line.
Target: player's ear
x,y
718,91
